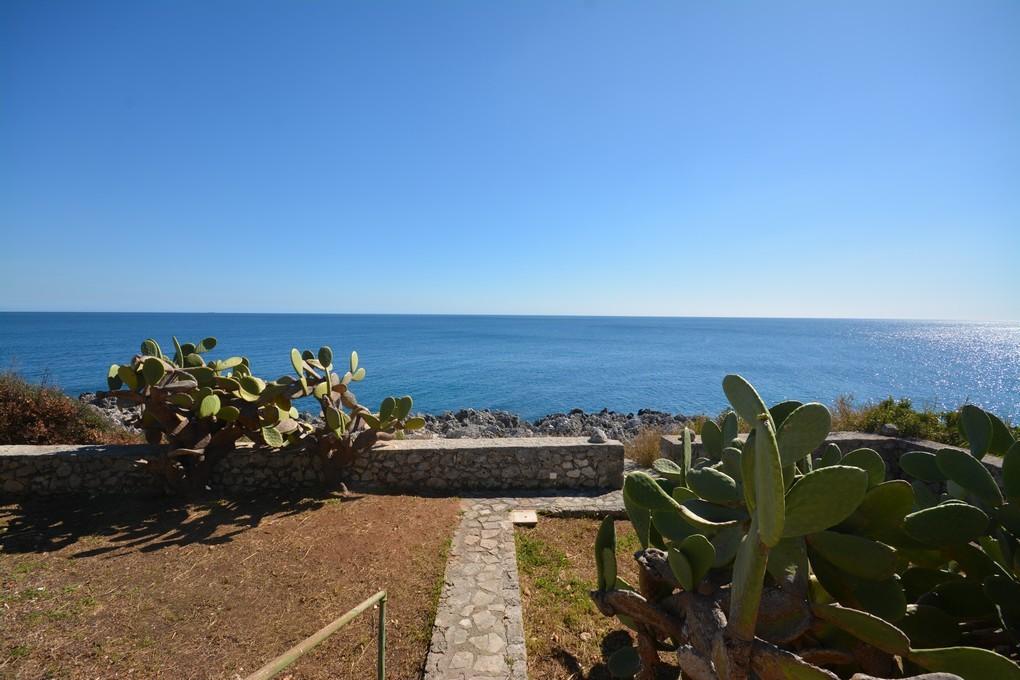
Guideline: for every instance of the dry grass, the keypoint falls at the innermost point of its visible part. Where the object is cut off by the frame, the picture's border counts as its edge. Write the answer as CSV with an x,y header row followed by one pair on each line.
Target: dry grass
x,y
40,414
644,448
158,589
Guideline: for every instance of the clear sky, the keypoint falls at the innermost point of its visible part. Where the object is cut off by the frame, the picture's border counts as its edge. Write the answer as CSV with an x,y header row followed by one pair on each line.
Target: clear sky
x,y
856,158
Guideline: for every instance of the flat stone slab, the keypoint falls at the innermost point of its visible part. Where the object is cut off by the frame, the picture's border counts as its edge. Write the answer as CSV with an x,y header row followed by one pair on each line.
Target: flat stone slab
x,y
526,518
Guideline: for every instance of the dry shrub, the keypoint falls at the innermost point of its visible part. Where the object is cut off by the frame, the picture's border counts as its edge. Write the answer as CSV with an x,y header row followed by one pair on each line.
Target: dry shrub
x,y
41,414
644,447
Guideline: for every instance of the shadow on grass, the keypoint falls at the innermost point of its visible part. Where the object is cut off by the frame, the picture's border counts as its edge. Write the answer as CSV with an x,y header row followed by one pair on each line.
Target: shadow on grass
x,y
610,643
142,524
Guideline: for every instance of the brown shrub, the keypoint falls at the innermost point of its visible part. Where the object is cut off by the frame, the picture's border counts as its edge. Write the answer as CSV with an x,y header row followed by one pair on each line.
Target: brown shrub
x,y
41,414
644,447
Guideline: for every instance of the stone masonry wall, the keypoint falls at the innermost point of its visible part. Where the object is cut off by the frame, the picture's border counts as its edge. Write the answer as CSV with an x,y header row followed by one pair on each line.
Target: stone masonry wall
x,y
432,465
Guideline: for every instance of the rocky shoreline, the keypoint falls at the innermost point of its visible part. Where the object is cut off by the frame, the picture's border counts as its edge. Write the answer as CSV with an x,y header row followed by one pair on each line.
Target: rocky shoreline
x,y
485,423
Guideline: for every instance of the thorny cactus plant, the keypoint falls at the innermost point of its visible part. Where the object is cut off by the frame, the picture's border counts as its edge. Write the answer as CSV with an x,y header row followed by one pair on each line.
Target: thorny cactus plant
x,y
203,408
763,562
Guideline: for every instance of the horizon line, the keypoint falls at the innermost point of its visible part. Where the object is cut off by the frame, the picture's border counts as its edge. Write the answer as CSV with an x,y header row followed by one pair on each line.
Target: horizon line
x,y
522,315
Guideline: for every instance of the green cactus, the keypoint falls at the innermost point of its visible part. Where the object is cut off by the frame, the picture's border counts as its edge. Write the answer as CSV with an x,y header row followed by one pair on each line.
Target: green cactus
x,y
153,369
906,569
922,465
868,460
969,473
769,488
977,428
865,627
150,348
824,498
712,485
1011,472
711,439
605,554
970,663
802,431
831,455
946,524
194,406
729,428
669,470
856,555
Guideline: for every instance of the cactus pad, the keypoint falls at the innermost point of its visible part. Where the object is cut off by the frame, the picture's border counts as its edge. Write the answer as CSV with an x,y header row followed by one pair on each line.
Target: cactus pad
x,y
605,541
669,470
922,465
969,473
945,525
643,490
977,427
713,485
769,489
744,398
824,498
868,460
865,627
970,663
855,555
803,431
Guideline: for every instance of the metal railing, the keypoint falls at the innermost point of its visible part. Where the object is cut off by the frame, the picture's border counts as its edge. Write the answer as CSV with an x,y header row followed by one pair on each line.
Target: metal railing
x,y
297,651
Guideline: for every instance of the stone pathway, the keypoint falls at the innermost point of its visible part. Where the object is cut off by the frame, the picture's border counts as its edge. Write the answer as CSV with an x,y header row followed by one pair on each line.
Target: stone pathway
x,y
479,629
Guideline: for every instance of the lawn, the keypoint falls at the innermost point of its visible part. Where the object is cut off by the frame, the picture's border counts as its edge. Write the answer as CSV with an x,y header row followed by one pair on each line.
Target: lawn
x,y
566,636
155,589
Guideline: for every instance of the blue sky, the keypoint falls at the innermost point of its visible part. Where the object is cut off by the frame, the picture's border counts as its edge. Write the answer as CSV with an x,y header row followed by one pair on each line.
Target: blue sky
x,y
807,158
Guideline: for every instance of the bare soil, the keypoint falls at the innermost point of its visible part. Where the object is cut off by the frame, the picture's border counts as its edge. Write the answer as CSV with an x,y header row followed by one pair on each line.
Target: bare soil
x,y
159,589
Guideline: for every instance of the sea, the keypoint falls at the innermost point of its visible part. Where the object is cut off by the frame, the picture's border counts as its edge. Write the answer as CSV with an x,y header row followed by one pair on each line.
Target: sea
x,y
536,365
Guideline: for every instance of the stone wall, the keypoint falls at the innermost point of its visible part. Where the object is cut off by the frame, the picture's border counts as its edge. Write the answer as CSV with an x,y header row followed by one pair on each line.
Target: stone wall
x,y
423,465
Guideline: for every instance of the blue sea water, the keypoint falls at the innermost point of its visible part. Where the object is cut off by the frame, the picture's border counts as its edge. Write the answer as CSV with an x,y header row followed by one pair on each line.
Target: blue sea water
x,y
539,365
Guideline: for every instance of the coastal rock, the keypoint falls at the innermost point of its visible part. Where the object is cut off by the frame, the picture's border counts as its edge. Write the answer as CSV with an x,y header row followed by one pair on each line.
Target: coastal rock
x,y
119,412
473,423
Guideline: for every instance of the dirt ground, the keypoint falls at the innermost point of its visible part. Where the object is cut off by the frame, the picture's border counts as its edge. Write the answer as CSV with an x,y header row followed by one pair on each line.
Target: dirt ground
x,y
156,589
567,638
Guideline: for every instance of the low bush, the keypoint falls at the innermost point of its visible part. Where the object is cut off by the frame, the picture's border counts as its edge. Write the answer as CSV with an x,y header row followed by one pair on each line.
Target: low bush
x,y
42,414
925,423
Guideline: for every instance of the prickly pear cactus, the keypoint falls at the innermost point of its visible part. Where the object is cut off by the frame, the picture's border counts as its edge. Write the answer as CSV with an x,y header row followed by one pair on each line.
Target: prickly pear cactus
x,y
784,558
202,408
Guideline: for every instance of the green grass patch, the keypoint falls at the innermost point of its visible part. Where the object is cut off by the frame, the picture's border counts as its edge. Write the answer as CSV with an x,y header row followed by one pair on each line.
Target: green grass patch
x,y
553,585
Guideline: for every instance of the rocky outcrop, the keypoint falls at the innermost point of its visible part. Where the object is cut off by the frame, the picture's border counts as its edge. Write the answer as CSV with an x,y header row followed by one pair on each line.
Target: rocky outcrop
x,y
469,423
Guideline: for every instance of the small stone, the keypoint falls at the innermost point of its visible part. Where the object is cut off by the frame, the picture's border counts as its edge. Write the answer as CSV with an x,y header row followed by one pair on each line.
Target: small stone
x,y
598,436
889,430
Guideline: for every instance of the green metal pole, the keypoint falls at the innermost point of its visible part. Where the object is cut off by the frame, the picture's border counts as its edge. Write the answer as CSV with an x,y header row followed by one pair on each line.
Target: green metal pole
x,y
381,669
297,651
